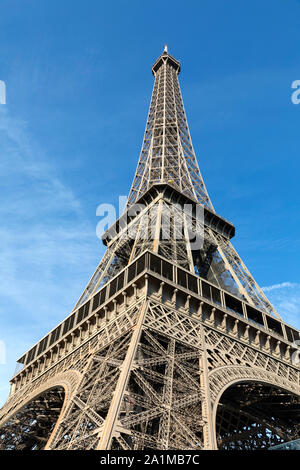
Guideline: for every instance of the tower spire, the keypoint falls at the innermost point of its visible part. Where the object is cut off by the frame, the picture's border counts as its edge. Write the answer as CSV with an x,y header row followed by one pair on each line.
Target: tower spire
x,y
167,152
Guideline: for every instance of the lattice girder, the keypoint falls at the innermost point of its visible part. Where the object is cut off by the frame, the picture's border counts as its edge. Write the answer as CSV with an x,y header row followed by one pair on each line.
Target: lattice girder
x,y
175,377
167,152
167,331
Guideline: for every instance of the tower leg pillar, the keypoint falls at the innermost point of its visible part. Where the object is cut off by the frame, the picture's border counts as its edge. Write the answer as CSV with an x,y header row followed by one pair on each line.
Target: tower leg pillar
x,y
208,427
111,418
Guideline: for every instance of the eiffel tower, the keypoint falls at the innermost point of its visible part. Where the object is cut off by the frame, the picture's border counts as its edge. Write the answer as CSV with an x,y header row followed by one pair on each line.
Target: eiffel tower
x,y
172,345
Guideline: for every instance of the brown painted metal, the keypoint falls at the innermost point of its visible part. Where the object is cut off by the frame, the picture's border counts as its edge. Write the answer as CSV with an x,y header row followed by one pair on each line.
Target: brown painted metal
x,y
169,346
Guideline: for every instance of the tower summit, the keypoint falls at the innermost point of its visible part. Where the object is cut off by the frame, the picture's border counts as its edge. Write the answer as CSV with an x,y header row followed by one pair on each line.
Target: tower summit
x,y
164,58
167,152
172,344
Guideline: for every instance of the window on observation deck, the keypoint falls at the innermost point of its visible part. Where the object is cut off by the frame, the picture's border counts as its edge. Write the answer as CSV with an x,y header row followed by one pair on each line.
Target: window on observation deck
x,y
192,283
55,335
211,293
254,315
155,264
140,264
68,324
292,335
167,270
233,304
113,287
274,325
99,298
206,290
181,278
216,295
131,272
83,312
31,355
42,345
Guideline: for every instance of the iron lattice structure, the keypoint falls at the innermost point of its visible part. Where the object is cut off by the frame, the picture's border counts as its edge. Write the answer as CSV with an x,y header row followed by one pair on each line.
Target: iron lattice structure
x,y
172,344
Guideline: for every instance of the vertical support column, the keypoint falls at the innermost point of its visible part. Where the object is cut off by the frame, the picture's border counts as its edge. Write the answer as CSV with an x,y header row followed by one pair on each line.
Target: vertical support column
x,y
188,245
208,427
156,234
136,240
163,154
113,412
164,430
66,410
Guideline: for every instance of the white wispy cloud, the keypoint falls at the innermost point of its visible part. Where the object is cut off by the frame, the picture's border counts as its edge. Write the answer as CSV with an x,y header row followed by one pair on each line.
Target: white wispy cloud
x,y
285,297
282,285
27,164
48,247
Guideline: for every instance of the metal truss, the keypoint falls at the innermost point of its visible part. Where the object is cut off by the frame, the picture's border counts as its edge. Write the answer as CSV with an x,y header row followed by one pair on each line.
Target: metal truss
x,y
167,156
255,416
167,153
247,285
234,276
152,386
151,367
156,379
167,229
24,431
114,259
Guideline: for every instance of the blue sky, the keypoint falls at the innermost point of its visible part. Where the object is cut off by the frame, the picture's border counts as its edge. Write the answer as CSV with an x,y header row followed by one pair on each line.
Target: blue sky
x,y
78,79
